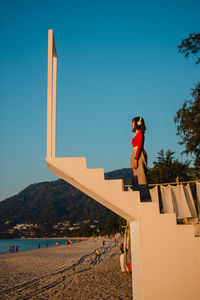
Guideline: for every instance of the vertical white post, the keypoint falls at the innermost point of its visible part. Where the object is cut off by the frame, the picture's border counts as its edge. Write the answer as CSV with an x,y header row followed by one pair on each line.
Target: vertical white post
x,y
54,106
49,93
136,260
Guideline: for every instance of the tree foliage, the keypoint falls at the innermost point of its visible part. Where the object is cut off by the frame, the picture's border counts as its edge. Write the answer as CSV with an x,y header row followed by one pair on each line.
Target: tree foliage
x,y
188,120
111,225
167,168
191,45
197,167
188,116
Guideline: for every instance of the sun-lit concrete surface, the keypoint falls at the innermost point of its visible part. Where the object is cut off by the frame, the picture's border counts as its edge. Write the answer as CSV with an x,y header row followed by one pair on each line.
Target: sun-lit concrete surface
x,y
165,256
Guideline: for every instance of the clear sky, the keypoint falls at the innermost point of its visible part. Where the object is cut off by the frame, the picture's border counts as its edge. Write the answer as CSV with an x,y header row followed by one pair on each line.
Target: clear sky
x,y
116,60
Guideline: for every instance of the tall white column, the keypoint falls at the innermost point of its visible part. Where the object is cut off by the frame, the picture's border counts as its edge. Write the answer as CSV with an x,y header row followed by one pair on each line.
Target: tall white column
x,y
49,94
54,107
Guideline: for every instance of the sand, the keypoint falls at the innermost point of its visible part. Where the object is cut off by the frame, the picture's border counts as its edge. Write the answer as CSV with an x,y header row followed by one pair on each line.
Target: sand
x,y
65,272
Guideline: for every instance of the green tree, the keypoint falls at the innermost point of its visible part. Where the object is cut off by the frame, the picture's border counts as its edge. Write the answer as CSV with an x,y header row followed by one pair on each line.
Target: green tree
x,y
197,167
188,119
121,222
112,225
66,232
85,230
167,168
188,116
191,45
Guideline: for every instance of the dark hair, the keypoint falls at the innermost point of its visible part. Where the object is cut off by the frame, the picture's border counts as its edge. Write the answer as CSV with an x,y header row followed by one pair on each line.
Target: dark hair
x,y
140,126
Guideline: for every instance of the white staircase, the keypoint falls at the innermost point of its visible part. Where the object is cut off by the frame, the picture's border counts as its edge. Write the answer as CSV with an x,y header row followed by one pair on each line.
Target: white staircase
x,y
91,182
165,256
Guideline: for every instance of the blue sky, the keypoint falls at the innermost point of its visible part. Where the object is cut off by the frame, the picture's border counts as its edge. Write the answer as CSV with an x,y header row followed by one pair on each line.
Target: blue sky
x,y
116,60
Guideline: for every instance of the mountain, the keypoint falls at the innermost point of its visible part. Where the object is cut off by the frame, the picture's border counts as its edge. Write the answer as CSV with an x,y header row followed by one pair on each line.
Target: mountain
x,y
54,202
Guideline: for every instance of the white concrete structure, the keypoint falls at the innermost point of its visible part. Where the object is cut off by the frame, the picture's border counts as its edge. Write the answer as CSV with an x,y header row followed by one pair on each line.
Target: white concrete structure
x,y
165,256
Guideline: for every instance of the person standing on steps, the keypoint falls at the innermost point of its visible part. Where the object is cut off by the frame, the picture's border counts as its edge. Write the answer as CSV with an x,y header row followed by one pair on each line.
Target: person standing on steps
x,y
139,160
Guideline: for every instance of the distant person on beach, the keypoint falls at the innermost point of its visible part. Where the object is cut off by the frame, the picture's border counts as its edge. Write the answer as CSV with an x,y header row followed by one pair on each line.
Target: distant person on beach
x,y
97,255
121,248
123,266
103,243
16,248
139,160
38,246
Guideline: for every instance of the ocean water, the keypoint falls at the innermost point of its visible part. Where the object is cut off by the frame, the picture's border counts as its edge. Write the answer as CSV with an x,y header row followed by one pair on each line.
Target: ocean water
x,y
30,244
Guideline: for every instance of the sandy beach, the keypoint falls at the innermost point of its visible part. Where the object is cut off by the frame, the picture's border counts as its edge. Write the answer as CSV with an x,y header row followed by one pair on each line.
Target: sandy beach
x,y
65,272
